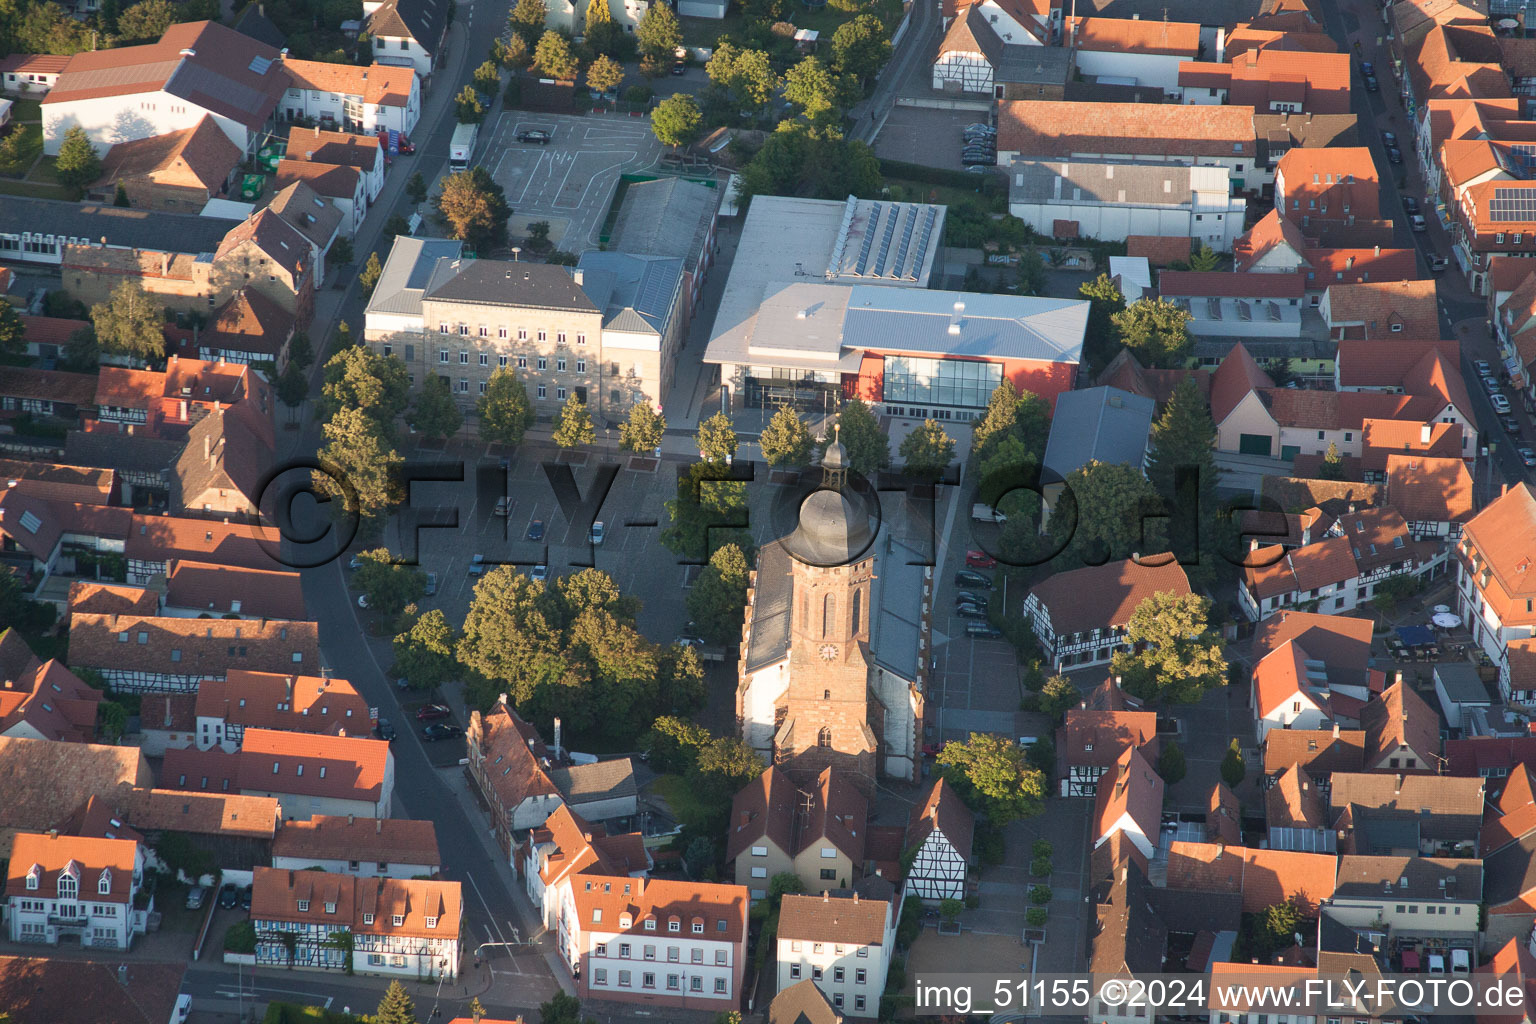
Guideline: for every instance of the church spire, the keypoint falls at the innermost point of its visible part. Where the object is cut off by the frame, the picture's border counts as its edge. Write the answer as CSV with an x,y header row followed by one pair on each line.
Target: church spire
x,y
834,462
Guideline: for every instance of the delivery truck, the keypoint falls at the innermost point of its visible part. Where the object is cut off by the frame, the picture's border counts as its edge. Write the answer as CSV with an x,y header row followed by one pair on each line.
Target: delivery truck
x,y
462,149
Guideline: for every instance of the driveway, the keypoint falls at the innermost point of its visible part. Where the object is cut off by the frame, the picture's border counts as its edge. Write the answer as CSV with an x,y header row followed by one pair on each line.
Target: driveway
x,y
569,182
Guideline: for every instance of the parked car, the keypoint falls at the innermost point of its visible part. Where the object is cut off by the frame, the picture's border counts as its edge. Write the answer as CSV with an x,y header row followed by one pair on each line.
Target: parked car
x,y
196,897
537,135
678,69
970,611
440,731
966,578
1389,138
1511,425
384,730
1394,155
1437,264
979,560
1461,961
979,160
1483,369
977,126
970,597
982,631
536,530
1416,222
477,565
245,897
1371,85
431,584
1436,964
183,1009
1527,456
1367,68
356,563
503,506
1491,385
597,534
1410,205
1500,403
432,712
978,169
540,574
229,896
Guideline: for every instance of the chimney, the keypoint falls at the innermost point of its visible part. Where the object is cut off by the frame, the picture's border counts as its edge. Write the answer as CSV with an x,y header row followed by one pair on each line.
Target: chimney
x,y
1399,678
1335,730
587,836
1397,785
165,264
855,898
1378,250
824,897
580,277
350,819
207,447
288,691
557,736
501,698
378,826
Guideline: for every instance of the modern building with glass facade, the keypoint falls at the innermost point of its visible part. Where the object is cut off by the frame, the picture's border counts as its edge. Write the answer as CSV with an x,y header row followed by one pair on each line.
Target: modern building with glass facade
x,y
845,309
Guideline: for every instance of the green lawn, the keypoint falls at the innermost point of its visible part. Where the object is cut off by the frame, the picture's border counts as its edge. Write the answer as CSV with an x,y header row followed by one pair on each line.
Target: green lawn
x,y
34,189
46,171
706,32
683,798
923,192
27,110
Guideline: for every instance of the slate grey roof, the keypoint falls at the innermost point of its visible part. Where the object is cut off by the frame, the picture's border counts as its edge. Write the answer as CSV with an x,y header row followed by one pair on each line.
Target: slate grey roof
x,y
585,783
995,326
1033,65
636,293
1461,682
1076,182
125,453
770,608
505,283
254,23
1511,872
422,20
666,217
1104,424
407,269
121,226
1367,878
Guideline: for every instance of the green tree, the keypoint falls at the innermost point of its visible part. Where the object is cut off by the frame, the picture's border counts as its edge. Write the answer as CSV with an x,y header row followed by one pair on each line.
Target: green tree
x,y
416,188
814,88
130,323
376,385
643,430
395,226
78,163
1176,656
1107,511
719,596
673,744
388,585
598,14
1031,275
555,58
1182,468
369,276
993,778
927,450
659,32
676,121
145,21
434,412
1204,259
516,54
396,1007
487,79
341,251
861,47
786,440
562,1009
527,20
111,720
366,461
709,511
468,108
120,196
292,386
723,767
424,653
802,160
1102,341
1156,330
575,426
1333,463
1170,763
747,76
301,350
604,73
475,208
13,335
717,439
504,412
1233,767
1058,694
869,450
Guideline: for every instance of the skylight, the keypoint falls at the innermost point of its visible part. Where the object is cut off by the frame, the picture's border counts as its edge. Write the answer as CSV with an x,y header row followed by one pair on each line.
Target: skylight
x,y
30,522
260,65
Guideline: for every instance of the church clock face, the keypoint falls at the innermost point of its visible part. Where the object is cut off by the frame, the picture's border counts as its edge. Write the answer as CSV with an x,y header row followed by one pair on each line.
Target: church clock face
x,y
828,652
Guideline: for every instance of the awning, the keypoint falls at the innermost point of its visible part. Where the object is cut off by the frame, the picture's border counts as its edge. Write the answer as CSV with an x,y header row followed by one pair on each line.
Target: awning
x,y
1416,636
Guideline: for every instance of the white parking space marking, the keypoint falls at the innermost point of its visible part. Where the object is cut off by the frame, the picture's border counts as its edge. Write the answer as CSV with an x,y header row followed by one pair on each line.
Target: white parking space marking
x,y
623,159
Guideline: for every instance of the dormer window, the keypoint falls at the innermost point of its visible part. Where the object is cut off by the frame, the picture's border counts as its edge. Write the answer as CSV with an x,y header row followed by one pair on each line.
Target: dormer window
x,y
367,919
330,908
303,906
104,883
597,915
431,922
625,921
698,927
398,920
674,926
650,924
34,876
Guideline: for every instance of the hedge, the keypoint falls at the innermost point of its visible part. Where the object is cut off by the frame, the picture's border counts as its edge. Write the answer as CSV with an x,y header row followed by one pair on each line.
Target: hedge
x,y
935,175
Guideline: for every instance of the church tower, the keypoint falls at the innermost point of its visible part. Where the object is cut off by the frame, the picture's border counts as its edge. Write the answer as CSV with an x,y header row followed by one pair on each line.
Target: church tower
x,y
829,718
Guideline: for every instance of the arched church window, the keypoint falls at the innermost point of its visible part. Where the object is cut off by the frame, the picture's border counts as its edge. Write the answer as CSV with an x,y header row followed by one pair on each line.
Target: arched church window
x,y
858,608
828,614
824,737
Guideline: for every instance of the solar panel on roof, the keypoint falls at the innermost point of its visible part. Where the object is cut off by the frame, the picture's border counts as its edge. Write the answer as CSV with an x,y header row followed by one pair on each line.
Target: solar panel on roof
x,y
906,242
922,245
1512,204
30,522
885,245
869,239
260,64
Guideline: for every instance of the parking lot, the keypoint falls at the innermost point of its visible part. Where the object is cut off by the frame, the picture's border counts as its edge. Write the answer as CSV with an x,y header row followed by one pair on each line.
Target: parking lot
x,y
570,181
919,135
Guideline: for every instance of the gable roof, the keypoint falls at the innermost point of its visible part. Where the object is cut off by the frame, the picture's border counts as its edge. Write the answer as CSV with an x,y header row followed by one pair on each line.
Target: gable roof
x,y
1041,128
1282,675
601,903
1401,718
425,21
332,837
1106,595
1128,935
1264,877
1237,375
46,990
801,1003
1386,308
1500,543
204,648
1132,35
1269,233
970,33
44,781
380,84
1426,489
941,809
1093,737
218,589
511,748
836,919
51,700
1131,788
272,700
1294,802
1100,424
1320,752
1448,807
151,810
201,156
1336,639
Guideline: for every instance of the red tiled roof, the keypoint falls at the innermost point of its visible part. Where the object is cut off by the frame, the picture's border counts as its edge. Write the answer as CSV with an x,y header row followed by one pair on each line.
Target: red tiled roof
x,y
1384,439
1379,306
1364,363
941,808
271,700
1100,737
1323,562
1401,718
334,181
1353,266
217,589
1041,128
378,83
1281,676
1237,375
368,906
332,837
54,854
660,899
34,63
1106,595
1502,539
339,767
836,920
198,157
1335,639
1426,489
1271,231
1128,35
1158,250
1293,802
1318,751
1264,877
1131,788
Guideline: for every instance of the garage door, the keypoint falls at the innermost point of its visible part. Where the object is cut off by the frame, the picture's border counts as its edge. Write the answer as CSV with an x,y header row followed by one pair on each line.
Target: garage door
x,y
1253,444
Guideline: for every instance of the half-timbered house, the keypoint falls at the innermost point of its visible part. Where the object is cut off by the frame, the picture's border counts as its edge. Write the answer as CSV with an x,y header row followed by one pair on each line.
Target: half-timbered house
x,y
940,829
159,654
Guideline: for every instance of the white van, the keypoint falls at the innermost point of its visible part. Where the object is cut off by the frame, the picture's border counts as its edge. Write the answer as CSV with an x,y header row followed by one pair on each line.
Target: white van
x,y
1461,961
1436,964
183,1009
